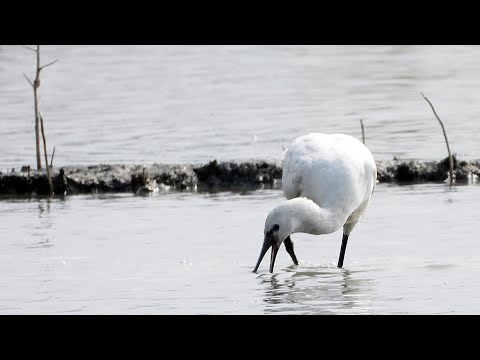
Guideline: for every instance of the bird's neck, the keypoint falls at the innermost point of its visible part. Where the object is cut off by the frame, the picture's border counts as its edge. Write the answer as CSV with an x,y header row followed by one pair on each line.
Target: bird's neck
x,y
307,217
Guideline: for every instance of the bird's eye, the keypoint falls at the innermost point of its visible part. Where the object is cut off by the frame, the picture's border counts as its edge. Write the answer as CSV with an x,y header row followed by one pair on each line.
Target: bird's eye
x,y
276,227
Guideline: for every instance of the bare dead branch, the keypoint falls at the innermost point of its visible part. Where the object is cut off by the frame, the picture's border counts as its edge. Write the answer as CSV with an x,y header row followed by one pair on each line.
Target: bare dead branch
x,y
446,139
49,178
144,177
51,160
363,131
30,81
29,48
44,66
36,84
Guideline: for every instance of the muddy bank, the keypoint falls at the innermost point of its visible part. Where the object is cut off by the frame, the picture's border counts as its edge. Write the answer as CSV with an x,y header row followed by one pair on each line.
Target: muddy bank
x,y
415,172
214,176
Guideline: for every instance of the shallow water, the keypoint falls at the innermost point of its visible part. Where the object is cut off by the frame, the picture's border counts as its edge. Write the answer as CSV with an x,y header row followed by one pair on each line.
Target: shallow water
x,y
190,104
415,251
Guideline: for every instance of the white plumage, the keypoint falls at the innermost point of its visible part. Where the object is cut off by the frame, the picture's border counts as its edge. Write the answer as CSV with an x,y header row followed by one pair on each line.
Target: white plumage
x,y
328,180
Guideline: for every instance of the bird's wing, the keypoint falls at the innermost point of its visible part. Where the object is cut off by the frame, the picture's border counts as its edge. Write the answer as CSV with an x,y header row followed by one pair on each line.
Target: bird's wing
x,y
320,167
291,180
294,171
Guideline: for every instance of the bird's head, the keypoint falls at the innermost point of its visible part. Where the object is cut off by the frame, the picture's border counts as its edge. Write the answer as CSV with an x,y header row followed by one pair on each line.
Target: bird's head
x,y
278,226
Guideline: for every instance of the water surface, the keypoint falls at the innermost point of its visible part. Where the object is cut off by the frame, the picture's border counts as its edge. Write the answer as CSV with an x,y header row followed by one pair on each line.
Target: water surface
x,y
191,104
415,251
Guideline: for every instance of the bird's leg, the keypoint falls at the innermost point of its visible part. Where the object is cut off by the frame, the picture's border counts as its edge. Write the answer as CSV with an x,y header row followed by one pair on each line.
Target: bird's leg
x,y
342,250
289,246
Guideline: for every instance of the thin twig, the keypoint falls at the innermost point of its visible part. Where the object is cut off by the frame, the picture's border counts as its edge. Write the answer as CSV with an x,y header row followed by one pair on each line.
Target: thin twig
x,y
36,84
49,178
446,139
30,81
363,131
44,66
53,154
29,48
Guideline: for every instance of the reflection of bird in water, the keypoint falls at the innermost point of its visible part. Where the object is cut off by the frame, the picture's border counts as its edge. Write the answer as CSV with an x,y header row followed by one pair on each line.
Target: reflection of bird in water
x,y
317,291
328,181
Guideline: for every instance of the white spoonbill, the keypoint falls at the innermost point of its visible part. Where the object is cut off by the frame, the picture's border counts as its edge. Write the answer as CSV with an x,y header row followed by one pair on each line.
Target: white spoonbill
x,y
328,180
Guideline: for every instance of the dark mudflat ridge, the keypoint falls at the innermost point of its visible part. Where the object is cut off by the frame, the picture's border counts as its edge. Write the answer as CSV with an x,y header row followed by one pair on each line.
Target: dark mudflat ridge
x,y
214,176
